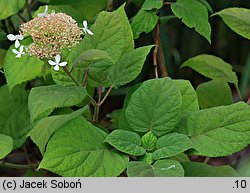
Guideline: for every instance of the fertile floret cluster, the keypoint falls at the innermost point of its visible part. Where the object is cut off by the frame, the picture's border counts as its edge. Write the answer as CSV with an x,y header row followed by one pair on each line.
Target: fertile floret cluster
x,y
51,34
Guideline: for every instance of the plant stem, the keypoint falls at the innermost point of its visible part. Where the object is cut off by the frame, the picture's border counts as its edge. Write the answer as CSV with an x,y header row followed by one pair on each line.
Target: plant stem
x,y
157,40
68,73
5,26
33,3
168,3
16,166
28,9
99,100
11,25
85,77
95,115
248,101
110,5
158,55
26,154
16,155
165,19
93,102
99,94
21,17
162,62
127,4
206,160
106,96
71,70
239,94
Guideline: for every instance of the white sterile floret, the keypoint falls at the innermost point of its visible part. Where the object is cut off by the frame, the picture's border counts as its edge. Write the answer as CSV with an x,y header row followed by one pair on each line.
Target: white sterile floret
x,y
15,38
45,13
86,29
57,62
18,53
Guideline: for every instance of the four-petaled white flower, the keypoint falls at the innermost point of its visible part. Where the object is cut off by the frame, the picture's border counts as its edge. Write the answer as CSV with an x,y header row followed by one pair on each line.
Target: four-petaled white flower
x,y
18,53
86,29
15,38
45,13
57,62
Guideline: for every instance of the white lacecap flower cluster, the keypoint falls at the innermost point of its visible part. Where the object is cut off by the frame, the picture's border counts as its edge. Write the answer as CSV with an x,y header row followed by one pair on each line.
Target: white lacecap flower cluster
x,y
57,63
16,38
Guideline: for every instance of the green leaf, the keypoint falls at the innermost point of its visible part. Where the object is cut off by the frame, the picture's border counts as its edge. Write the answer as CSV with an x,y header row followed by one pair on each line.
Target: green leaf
x,y
182,157
123,122
168,168
2,56
77,149
147,158
115,117
243,167
82,10
238,19
126,141
20,70
218,131
129,94
98,64
129,66
45,128
14,114
98,73
161,168
44,1
8,8
113,34
214,93
148,110
92,56
245,78
207,5
171,145
195,169
194,14
166,19
6,145
140,169
44,99
149,141
144,21
212,67
189,97
152,4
